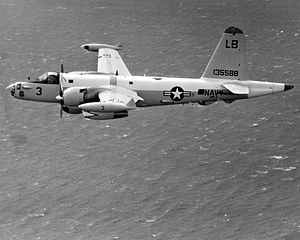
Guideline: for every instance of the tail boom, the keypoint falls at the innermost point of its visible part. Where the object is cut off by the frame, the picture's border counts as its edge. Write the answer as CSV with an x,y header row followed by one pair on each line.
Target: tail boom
x,y
256,88
228,67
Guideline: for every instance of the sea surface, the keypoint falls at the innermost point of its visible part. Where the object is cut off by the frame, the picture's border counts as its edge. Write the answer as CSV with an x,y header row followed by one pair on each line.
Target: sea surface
x,y
223,171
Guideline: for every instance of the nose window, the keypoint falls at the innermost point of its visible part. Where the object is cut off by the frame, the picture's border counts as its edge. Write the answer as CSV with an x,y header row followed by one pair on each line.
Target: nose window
x,y
19,86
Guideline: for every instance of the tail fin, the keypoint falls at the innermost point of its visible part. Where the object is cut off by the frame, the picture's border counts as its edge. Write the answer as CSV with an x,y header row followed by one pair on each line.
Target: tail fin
x,y
228,59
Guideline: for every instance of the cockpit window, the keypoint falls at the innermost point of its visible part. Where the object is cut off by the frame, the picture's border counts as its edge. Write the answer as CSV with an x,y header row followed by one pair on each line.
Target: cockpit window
x,y
52,79
48,78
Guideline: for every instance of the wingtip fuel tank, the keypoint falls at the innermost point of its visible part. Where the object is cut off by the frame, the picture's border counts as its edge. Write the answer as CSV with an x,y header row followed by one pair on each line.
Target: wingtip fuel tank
x,y
94,47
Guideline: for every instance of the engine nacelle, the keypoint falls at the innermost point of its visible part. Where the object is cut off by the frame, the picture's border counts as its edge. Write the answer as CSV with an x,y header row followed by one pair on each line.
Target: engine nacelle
x,y
229,101
74,96
204,103
72,110
105,116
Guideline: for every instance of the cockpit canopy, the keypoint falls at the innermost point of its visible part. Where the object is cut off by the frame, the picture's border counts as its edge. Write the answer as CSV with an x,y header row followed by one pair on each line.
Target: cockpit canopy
x,y
48,78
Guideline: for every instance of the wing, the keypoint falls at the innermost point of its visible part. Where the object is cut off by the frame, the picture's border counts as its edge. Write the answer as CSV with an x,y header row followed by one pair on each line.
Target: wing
x,y
113,102
110,62
113,93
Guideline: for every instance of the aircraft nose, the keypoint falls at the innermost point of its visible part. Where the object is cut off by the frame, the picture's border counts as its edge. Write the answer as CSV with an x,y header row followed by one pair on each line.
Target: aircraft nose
x,y
11,89
288,87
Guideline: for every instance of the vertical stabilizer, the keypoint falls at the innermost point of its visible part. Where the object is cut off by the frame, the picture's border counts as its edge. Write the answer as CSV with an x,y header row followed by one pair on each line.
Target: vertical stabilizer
x,y
228,60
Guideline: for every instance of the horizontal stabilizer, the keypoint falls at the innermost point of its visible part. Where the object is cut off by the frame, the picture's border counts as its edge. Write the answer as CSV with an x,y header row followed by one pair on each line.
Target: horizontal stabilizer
x,y
236,88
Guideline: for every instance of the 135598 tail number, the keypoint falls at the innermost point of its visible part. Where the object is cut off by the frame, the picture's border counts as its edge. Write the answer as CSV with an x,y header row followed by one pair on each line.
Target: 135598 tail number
x,y
223,72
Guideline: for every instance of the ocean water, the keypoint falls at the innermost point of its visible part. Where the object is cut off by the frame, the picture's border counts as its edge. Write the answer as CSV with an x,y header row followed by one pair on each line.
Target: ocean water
x,y
174,172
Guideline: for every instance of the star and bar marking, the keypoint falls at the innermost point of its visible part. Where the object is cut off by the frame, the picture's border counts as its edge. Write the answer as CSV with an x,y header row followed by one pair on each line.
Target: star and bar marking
x,y
177,93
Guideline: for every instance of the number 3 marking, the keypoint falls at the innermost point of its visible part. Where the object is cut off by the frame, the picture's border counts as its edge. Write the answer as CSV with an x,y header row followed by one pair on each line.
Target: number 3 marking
x,y
38,91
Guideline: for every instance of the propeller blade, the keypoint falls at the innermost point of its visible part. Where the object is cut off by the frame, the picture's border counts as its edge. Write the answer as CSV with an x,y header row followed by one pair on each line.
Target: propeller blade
x,y
6,103
60,98
61,66
61,90
61,111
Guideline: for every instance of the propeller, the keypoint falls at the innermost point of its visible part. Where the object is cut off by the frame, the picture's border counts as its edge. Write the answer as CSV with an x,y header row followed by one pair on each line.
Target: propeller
x,y
61,66
5,102
60,97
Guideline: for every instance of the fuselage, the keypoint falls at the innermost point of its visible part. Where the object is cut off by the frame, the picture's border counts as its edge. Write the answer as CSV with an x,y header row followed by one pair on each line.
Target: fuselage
x,y
154,90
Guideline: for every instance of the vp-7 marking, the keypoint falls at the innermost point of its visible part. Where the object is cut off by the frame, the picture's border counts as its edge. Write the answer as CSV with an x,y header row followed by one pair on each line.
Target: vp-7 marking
x,y
111,91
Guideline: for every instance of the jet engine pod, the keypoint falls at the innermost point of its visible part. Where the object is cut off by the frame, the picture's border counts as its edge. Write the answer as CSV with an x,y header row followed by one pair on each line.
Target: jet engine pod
x,y
204,103
104,107
105,115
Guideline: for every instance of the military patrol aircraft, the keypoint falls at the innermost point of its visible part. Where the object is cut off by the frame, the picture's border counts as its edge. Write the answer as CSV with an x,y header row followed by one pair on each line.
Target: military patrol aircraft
x,y
111,91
